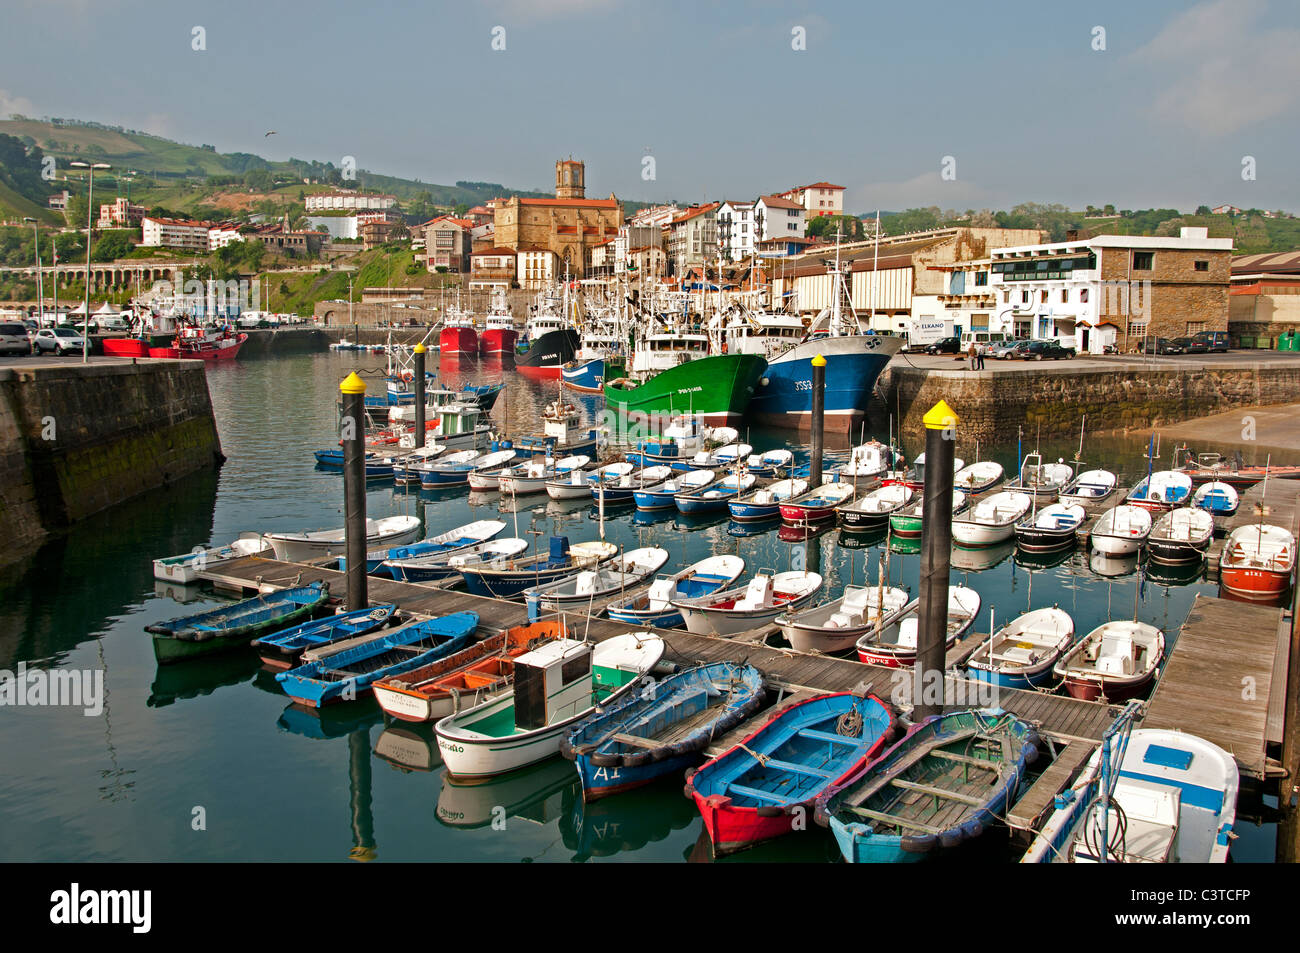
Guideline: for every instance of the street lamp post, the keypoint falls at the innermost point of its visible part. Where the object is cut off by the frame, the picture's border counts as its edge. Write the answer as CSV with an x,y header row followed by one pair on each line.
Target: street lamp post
x,y
40,281
90,211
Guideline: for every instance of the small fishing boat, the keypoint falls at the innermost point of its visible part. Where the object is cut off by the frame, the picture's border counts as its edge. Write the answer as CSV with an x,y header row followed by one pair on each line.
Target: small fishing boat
x,y
611,473
661,729
508,582
376,465
915,476
766,596
380,534
1042,481
655,607
765,501
404,465
715,496
867,463
1022,653
464,679
1257,561
234,626
283,649
556,686
185,568
1116,660
1091,486
895,643
661,497
1051,528
837,625
770,463
1181,536
817,504
729,454
349,674
991,520
452,541
1178,798
579,591
947,780
455,468
1121,530
621,491
1161,491
430,568
767,784
569,486
586,377
531,475
1216,498
978,477
907,520
1203,467
485,475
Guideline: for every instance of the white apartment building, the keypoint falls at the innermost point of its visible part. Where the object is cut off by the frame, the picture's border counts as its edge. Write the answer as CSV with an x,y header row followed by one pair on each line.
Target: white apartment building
x,y
348,201
820,198
655,216
223,235
537,267
736,230
174,233
779,217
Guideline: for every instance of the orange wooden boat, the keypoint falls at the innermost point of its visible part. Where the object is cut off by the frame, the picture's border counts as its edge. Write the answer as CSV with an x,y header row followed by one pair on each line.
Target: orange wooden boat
x,y
465,679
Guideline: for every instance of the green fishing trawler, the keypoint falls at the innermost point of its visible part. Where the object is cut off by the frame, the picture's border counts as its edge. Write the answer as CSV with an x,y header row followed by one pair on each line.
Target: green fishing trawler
x,y
714,389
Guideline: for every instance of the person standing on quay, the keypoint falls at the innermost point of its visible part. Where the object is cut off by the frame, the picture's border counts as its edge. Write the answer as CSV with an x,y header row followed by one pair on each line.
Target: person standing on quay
x,y
979,357
971,354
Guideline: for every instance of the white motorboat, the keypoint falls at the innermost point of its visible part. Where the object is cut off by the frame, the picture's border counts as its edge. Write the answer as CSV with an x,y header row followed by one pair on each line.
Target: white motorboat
x,y
991,520
1121,530
386,533
837,625
765,597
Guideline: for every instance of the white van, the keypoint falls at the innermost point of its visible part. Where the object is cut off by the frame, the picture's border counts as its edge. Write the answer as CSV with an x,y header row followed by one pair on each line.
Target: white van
x,y
983,340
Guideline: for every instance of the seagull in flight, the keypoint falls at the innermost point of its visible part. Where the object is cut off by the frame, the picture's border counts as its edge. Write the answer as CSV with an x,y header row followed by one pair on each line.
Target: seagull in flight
x,y
271,133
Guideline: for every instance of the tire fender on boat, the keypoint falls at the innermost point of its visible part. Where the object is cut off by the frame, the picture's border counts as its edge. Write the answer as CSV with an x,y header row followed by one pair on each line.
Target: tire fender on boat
x,y
603,760
951,837
768,810
918,843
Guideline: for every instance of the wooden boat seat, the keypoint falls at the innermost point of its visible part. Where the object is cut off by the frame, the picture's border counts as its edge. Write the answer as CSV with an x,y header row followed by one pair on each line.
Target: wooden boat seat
x,y
636,741
798,768
827,736
966,759
935,792
755,793
894,821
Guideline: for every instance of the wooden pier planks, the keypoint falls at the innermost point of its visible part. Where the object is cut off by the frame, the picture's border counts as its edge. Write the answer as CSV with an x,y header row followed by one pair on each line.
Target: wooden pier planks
x,y
1042,793
1219,678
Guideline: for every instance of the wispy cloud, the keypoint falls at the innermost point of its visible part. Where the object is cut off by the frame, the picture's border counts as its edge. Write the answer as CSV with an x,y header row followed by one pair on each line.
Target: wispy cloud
x,y
1224,66
11,103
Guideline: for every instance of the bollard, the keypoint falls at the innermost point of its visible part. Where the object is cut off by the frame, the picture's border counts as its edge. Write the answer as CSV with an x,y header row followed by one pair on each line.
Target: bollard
x,y
936,557
818,420
419,396
354,488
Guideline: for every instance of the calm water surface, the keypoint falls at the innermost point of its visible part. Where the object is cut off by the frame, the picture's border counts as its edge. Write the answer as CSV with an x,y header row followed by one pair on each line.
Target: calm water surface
x,y
218,740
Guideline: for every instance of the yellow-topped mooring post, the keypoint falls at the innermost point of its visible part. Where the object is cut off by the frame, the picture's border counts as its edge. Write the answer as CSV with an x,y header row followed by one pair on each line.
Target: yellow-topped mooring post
x,y
352,430
818,419
419,395
936,558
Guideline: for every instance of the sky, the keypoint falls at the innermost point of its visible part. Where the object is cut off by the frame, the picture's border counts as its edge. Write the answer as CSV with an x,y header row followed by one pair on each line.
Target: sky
x,y
954,104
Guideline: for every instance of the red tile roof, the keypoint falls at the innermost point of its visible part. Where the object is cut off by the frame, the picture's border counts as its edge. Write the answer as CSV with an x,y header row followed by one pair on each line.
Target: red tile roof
x,y
694,211
776,201
498,252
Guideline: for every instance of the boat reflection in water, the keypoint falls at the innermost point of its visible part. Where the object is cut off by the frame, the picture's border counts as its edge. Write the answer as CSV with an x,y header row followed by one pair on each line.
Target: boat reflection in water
x,y
175,682
978,560
1112,567
859,539
1036,562
905,545
179,593
333,721
800,534
1281,599
627,821
1176,574
409,747
541,794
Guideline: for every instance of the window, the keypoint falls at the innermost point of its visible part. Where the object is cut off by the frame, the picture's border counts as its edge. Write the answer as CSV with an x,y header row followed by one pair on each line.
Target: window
x,y
1083,295
1065,296
1024,297
1042,296
1195,327
1143,260
1201,265
981,279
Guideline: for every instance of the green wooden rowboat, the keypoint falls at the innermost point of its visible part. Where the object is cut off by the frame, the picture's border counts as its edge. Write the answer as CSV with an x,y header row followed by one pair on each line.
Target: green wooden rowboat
x,y
907,521
234,626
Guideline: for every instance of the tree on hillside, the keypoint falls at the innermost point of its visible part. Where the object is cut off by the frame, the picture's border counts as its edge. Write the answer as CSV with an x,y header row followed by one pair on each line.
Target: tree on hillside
x,y
1202,210
112,245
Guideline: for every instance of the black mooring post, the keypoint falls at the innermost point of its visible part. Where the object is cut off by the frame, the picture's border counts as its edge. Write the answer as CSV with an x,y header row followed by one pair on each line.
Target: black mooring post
x,y
936,558
818,420
354,488
419,396
360,811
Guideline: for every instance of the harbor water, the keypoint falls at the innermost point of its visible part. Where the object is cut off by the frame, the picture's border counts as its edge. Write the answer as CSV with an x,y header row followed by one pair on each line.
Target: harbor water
x,y
209,761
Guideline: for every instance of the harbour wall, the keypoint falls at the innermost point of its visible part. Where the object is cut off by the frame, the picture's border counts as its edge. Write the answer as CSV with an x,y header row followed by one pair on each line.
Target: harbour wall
x,y
76,439
992,405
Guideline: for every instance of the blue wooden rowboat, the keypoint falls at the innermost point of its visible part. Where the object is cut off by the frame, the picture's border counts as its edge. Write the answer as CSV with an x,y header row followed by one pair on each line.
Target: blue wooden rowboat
x,y
453,470
233,626
349,674
624,489
661,497
662,728
766,785
714,497
283,649
655,607
377,467
765,502
507,582
1217,498
454,540
945,781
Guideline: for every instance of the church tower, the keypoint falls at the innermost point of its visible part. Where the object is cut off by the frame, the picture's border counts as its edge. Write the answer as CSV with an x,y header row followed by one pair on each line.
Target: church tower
x,y
569,179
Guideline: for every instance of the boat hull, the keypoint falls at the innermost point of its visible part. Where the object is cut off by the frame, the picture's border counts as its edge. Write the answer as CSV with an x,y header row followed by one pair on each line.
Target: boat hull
x,y
226,349
546,357
717,390
587,377
853,362
1255,584
457,342
497,341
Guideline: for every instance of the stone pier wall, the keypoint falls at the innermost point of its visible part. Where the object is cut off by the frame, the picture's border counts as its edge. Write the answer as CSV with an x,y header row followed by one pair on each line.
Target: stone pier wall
x,y
77,439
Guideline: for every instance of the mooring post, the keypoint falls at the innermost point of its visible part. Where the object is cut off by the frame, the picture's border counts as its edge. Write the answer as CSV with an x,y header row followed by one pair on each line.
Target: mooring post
x,y
360,811
936,557
419,395
818,420
354,487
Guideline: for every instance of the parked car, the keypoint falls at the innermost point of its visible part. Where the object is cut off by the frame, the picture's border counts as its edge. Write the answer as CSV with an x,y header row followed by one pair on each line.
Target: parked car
x,y
1006,349
1159,346
944,346
1213,340
13,338
1043,350
1191,345
58,340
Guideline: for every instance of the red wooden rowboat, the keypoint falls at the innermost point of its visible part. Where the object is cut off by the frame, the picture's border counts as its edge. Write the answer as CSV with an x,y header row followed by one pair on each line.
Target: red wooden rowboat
x,y
817,504
1257,562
